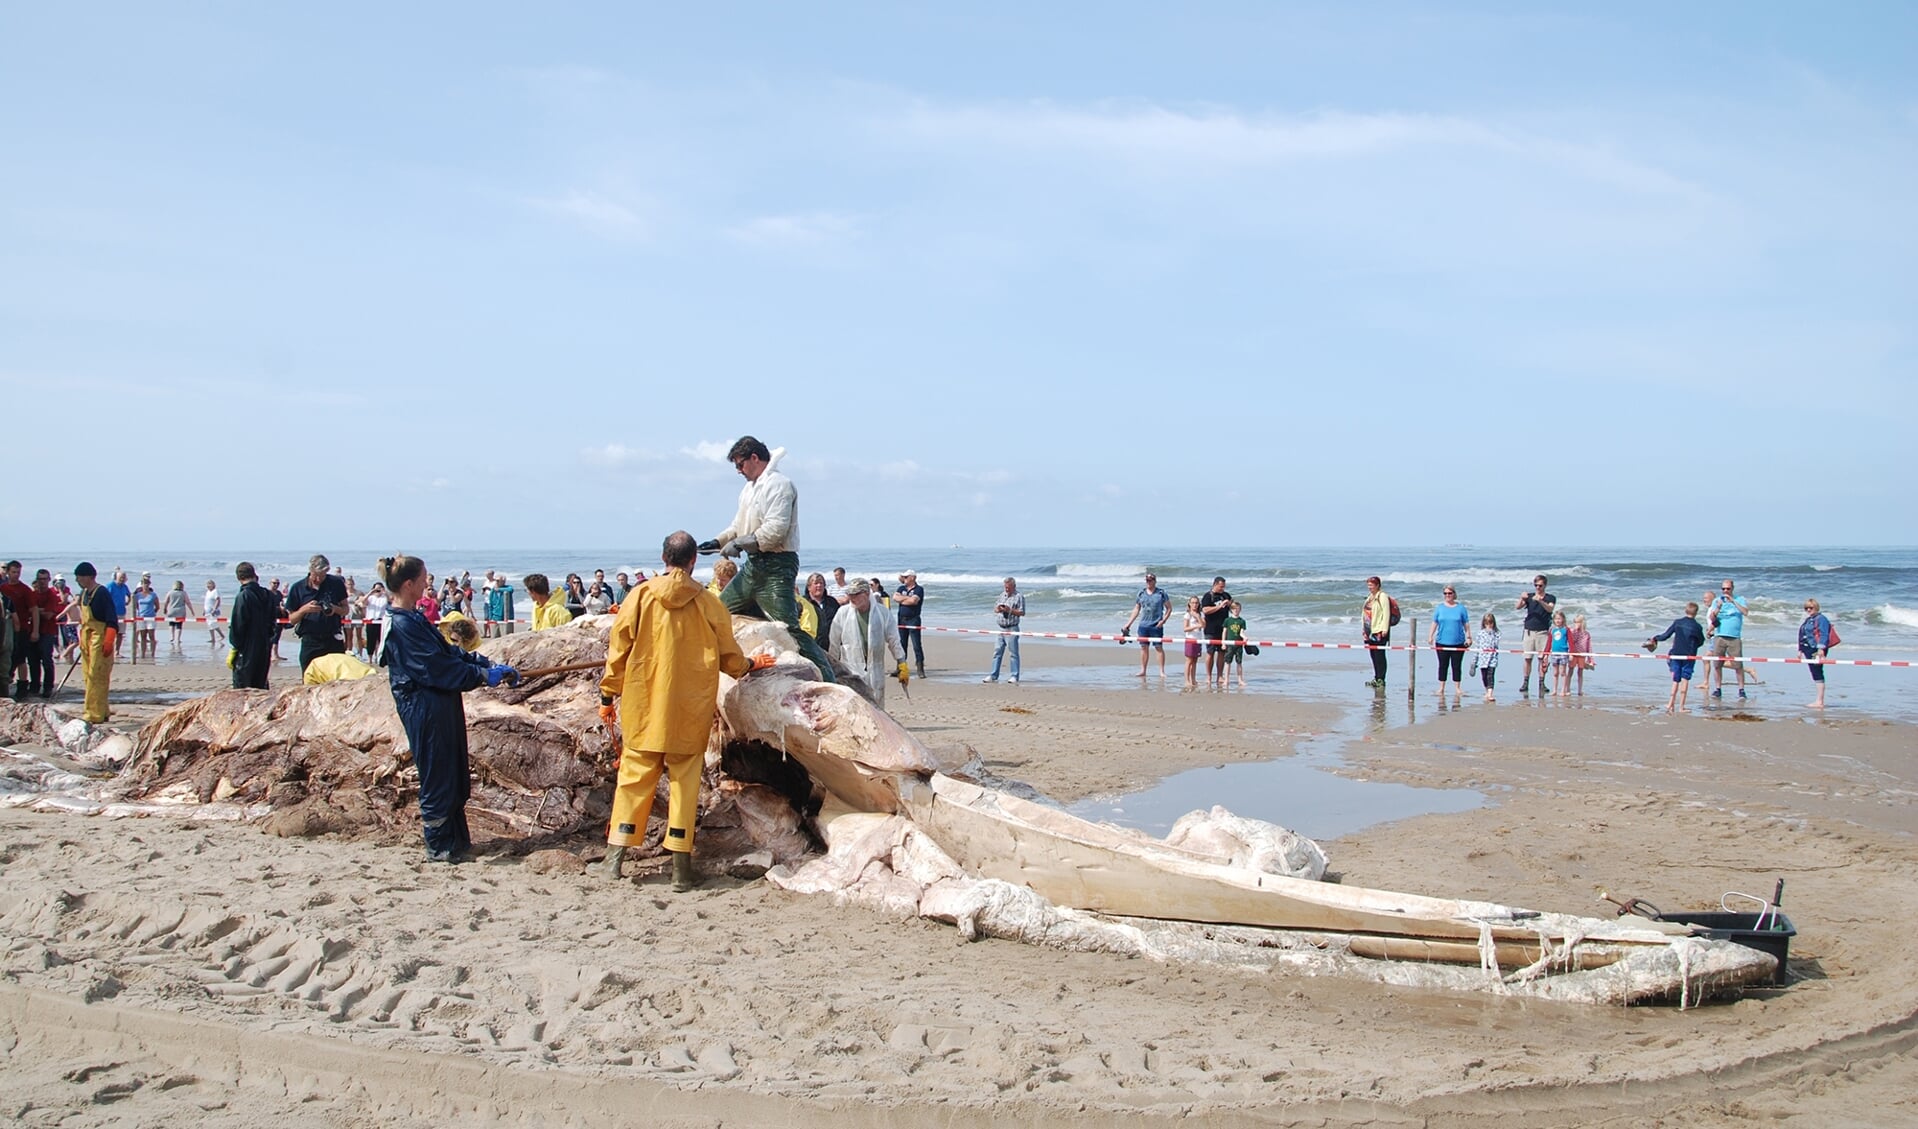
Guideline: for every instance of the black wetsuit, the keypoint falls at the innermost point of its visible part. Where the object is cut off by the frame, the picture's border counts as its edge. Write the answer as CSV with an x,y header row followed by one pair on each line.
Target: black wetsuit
x,y
250,632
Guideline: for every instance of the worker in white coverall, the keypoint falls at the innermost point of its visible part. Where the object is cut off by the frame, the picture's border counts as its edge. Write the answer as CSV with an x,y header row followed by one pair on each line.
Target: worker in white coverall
x,y
865,640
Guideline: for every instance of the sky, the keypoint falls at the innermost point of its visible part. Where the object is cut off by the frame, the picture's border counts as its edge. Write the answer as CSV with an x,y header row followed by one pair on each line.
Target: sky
x,y
993,274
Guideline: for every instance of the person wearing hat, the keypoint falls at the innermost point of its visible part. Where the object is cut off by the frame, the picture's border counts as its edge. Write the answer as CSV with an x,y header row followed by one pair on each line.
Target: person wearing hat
x,y
99,637
907,599
865,640
1150,609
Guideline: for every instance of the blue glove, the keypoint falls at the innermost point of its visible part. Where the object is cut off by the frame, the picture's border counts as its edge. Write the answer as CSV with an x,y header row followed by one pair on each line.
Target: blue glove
x,y
499,672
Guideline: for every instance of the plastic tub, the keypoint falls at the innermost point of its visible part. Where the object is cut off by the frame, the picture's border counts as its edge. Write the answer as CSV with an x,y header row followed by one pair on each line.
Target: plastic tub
x,y
1743,928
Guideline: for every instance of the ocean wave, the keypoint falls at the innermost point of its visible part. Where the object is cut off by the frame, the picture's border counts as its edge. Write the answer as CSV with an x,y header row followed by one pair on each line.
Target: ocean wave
x,y
1081,594
931,579
1827,568
1896,616
1519,576
1100,571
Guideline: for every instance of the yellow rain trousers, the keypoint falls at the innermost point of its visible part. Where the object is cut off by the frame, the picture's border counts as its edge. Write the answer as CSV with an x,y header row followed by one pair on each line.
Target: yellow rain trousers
x,y
669,645
96,665
639,782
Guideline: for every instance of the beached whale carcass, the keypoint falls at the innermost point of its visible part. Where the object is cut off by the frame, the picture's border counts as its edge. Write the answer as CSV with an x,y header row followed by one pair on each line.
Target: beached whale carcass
x,y
907,832
333,758
912,830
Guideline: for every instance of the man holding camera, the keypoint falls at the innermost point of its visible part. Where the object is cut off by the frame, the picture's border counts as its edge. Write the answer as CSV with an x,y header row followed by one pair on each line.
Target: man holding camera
x,y
1538,606
316,607
1726,614
766,531
1010,609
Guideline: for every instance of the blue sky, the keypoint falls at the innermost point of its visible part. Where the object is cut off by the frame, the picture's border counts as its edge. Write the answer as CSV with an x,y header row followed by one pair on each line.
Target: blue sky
x,y
1256,274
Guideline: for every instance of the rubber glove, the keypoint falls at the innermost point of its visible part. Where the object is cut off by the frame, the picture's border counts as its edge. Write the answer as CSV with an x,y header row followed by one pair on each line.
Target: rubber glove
x,y
232,658
729,550
746,544
903,676
609,717
709,546
762,662
111,640
500,672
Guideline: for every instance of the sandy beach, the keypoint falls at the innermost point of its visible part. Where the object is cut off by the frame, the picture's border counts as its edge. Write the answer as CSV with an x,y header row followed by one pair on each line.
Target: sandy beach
x,y
162,969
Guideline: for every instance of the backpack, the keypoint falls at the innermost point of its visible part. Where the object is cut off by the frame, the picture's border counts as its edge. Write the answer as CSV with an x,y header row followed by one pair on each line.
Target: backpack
x,y
1394,621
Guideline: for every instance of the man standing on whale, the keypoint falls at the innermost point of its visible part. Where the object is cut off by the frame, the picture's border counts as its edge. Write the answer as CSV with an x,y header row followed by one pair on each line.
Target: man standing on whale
x,y
766,531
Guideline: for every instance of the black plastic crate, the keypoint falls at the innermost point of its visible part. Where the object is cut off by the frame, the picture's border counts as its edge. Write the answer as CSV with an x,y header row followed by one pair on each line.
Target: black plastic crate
x,y
1743,928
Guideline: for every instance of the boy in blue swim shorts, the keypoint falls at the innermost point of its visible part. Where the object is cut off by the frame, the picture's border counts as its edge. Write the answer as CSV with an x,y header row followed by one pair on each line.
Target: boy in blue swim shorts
x,y
1687,637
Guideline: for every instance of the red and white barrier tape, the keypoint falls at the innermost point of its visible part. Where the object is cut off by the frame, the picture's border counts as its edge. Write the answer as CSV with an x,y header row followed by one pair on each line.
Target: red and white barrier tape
x,y
1098,637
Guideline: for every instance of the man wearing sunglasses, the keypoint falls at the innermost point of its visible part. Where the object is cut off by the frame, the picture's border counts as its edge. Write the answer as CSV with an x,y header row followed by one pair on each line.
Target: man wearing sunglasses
x,y
1538,606
1727,612
766,531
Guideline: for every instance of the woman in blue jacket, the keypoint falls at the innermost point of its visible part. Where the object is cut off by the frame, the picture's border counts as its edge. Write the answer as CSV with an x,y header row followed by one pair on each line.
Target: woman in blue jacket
x,y
428,675
1814,640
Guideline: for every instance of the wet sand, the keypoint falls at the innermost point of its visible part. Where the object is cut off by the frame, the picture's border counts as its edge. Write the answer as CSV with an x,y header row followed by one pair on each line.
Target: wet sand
x,y
156,969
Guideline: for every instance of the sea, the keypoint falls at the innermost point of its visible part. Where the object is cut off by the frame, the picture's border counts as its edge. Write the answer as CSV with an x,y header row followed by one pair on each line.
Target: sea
x,y
1293,594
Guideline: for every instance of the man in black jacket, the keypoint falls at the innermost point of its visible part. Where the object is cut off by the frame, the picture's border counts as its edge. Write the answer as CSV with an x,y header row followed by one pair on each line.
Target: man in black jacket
x,y
316,608
250,630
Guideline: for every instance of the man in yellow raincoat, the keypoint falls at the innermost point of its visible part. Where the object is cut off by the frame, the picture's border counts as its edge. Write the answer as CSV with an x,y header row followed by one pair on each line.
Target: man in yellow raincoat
x,y
668,647
99,635
547,612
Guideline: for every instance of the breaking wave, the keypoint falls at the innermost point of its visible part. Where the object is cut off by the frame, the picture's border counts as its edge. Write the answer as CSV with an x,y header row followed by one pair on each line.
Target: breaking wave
x,y
1899,617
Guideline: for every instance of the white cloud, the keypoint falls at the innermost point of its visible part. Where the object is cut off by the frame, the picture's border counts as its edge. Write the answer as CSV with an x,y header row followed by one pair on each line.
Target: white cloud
x,y
1203,142
809,229
600,214
616,455
708,451
899,471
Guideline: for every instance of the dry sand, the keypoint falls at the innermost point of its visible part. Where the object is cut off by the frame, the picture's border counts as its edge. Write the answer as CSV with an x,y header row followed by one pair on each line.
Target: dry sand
x,y
161,971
